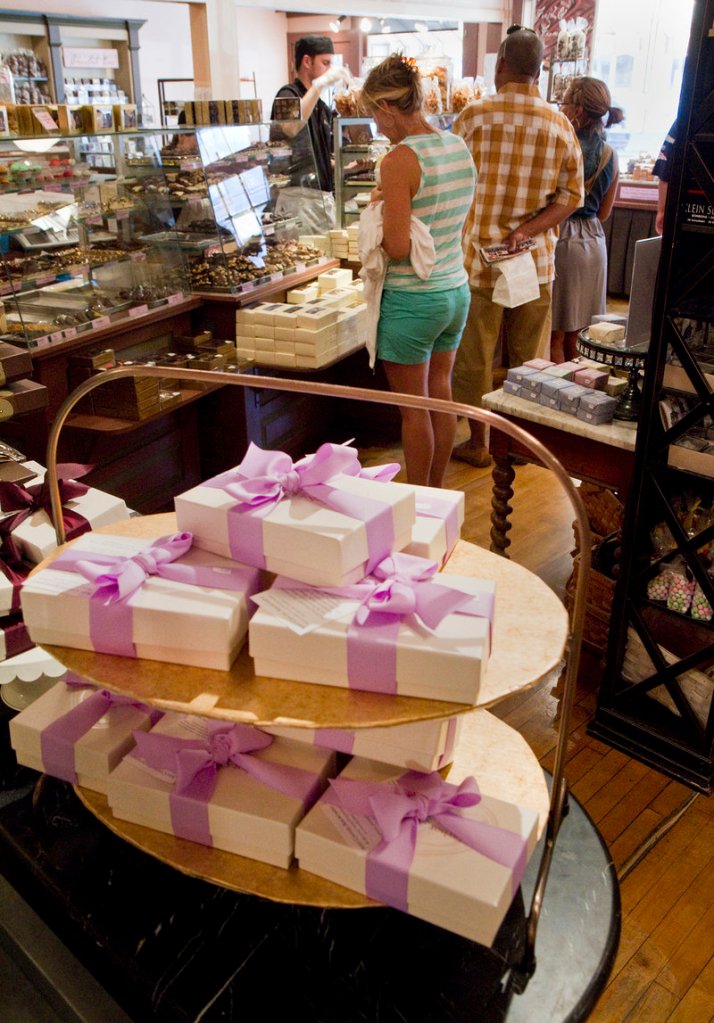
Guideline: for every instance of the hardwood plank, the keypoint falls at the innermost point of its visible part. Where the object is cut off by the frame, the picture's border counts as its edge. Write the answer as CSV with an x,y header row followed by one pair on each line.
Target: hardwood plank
x,y
629,840
620,787
698,1004
692,958
612,762
624,992
617,818
655,1006
670,798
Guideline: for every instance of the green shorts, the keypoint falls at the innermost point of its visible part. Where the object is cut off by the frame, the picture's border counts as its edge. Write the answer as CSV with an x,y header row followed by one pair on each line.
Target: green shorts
x,y
414,324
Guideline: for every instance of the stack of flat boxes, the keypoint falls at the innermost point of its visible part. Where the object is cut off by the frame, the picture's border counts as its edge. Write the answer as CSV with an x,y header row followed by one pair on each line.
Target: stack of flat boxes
x,y
343,242
578,388
319,322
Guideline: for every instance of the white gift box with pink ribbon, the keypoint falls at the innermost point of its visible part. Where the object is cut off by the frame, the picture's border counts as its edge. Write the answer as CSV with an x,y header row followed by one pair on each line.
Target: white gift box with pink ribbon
x,y
232,787
402,631
434,849
439,518
323,520
77,732
418,746
84,508
163,600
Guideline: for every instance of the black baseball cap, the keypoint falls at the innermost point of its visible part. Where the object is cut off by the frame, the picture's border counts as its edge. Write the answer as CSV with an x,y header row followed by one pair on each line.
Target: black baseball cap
x,y
310,46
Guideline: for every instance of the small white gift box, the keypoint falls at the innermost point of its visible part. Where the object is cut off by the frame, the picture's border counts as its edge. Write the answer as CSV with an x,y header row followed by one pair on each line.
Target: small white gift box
x,y
35,536
456,862
337,637
230,786
194,611
316,520
77,732
439,518
420,746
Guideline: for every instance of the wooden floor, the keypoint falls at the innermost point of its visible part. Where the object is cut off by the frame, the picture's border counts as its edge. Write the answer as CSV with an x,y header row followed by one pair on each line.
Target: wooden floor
x,y
660,833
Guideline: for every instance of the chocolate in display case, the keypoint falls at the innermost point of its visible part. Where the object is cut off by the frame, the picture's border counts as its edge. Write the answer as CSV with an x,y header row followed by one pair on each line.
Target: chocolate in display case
x,y
78,253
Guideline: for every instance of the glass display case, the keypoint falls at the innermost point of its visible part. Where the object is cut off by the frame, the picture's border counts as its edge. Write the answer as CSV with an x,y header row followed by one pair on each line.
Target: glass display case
x,y
244,209
78,245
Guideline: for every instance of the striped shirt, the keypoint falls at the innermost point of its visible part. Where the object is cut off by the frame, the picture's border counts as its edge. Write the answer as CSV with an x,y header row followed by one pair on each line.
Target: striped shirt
x,y
528,157
442,201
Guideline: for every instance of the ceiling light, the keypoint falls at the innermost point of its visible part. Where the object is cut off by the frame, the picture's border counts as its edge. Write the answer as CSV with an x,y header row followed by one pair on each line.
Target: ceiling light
x,y
420,26
385,27
38,145
365,24
336,24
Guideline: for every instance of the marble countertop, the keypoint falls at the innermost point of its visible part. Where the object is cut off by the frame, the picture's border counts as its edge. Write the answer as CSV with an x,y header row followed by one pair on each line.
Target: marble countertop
x,y
618,433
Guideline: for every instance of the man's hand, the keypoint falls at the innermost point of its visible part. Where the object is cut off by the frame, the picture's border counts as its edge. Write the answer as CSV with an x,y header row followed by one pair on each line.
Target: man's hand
x,y
516,238
330,77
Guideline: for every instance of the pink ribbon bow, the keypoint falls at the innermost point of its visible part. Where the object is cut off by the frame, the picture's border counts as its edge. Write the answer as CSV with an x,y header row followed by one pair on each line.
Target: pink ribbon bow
x,y
195,763
399,808
116,579
25,501
264,478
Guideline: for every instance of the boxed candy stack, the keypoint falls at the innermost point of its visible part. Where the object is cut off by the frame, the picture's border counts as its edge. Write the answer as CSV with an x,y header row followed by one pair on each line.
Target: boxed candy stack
x,y
347,609
229,786
573,387
318,324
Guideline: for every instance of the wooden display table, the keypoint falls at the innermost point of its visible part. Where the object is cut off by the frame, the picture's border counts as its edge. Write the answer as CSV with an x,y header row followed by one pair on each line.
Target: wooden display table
x,y
602,454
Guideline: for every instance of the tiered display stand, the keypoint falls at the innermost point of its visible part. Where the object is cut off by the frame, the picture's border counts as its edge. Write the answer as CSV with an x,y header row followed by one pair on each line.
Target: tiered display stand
x,y
532,641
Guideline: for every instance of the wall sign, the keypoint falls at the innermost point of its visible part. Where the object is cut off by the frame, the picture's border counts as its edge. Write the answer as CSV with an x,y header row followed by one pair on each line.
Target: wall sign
x,y
89,57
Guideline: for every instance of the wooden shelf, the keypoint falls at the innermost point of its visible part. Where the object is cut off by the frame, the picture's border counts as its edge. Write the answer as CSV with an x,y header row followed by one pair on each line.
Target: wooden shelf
x,y
263,291
105,424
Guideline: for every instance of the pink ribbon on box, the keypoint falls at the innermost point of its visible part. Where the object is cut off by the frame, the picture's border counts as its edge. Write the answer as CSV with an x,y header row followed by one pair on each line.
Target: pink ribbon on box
x,y
438,508
25,501
342,740
58,739
400,807
15,635
196,762
117,578
401,585
265,478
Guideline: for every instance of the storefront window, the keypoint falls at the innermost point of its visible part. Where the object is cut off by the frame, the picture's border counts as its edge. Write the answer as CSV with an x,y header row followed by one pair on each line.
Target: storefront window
x,y
639,50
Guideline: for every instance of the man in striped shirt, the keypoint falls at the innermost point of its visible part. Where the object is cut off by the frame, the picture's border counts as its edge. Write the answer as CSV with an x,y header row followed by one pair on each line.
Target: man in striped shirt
x,y
530,178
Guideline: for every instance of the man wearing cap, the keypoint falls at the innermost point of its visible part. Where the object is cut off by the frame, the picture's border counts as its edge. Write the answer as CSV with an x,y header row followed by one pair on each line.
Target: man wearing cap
x,y
314,72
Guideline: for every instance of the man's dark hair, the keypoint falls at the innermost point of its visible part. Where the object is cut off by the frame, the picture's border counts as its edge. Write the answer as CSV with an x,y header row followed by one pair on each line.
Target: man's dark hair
x,y
310,46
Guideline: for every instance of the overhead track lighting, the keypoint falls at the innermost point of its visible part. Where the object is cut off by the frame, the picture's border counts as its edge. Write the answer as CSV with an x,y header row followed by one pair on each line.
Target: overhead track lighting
x,y
336,24
365,25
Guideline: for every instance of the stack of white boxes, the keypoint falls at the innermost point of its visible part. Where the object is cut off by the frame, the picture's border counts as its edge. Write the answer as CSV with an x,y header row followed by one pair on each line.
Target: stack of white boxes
x,y
319,323
343,242
317,241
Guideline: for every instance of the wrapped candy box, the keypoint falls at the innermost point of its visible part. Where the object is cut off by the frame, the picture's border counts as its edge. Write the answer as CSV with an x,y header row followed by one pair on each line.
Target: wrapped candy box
x,y
419,746
323,520
701,608
680,593
439,518
435,850
163,600
228,786
403,631
77,732
84,508
658,587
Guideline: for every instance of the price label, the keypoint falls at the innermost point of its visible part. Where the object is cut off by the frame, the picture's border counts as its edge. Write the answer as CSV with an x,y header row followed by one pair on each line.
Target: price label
x,y
112,224
138,310
6,289
69,332
248,286
194,200
57,336
299,267
137,257
175,299
122,214
95,218
100,322
45,279
42,342
46,120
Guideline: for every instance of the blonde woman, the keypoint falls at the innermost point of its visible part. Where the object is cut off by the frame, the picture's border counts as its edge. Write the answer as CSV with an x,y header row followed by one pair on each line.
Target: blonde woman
x,y
580,288
430,175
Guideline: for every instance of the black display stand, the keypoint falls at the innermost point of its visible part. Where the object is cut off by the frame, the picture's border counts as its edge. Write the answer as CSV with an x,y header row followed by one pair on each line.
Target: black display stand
x,y
676,736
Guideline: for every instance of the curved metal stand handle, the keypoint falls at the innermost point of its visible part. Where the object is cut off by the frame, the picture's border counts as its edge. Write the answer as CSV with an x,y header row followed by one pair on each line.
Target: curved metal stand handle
x,y
558,799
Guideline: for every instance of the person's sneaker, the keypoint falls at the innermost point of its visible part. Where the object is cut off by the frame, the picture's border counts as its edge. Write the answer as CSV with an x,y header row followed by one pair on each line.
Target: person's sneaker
x,y
477,456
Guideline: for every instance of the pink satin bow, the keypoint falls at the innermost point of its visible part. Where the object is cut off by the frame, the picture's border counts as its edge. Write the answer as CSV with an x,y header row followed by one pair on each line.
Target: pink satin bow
x,y
127,574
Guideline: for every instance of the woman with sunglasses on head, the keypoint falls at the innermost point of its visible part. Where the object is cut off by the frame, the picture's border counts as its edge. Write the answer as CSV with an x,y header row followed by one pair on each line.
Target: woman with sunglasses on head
x,y
428,174
580,287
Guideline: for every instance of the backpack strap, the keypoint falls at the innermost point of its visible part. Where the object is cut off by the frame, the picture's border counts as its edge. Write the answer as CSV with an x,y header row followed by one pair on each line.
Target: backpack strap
x,y
604,160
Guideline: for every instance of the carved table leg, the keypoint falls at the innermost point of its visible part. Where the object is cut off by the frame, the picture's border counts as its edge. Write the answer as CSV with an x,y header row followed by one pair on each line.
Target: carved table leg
x,y
503,475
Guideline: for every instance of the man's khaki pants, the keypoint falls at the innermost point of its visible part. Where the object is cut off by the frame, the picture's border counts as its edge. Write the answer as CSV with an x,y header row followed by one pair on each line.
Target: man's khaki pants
x,y
526,336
